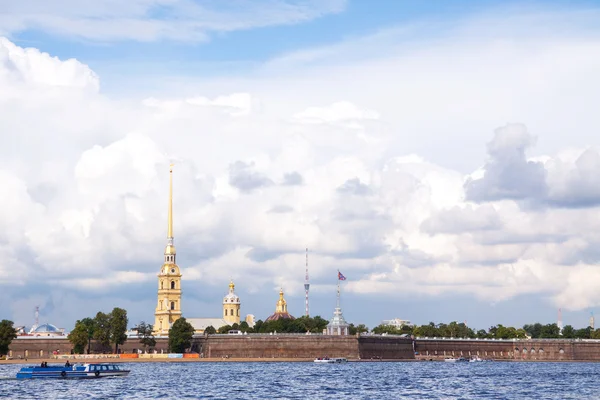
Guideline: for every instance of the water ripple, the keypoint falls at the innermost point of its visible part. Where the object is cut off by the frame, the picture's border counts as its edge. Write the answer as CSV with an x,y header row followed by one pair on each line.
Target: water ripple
x,y
369,380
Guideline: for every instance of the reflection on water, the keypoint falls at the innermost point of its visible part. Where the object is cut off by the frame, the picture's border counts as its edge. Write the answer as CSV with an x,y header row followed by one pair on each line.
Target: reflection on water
x,y
354,380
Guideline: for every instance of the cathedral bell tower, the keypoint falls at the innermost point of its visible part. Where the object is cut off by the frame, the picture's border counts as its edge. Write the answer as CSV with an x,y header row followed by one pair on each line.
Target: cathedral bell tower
x,y
168,307
231,306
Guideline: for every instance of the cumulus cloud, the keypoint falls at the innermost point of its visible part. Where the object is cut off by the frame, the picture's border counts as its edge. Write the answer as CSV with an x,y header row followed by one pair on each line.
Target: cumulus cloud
x,y
343,113
354,186
243,177
567,180
33,67
508,173
467,219
292,179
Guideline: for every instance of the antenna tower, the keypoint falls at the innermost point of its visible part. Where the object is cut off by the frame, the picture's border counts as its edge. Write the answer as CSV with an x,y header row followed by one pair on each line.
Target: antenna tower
x,y
37,318
559,323
306,285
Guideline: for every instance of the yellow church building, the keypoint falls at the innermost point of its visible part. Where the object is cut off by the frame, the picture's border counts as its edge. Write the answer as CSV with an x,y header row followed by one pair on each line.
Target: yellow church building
x,y
168,306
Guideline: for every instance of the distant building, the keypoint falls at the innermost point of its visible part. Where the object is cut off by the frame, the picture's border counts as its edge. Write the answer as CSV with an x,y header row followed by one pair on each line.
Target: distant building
x,y
396,322
47,330
281,311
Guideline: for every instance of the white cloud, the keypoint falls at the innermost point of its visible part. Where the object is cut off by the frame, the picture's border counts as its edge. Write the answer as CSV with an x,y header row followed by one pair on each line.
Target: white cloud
x,y
343,113
33,67
236,104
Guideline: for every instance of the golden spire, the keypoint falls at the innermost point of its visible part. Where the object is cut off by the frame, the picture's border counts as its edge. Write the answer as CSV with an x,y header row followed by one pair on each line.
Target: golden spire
x,y
231,286
170,229
170,249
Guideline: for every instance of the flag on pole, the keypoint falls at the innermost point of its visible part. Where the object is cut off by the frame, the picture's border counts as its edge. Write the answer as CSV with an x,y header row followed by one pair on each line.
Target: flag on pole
x,y
341,277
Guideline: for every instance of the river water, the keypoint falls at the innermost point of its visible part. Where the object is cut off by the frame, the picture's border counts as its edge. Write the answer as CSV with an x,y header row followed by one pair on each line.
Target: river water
x,y
299,380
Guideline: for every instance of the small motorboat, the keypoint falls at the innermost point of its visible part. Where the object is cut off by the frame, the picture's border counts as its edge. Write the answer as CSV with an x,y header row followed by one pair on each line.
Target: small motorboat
x,y
77,371
327,360
459,359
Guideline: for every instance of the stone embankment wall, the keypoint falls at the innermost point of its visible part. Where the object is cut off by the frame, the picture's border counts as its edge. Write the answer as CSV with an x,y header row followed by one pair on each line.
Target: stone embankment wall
x,y
385,347
351,347
248,346
443,348
307,346
279,346
531,350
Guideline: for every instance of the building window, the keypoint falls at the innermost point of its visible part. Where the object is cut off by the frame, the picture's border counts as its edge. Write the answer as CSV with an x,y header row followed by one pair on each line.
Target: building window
x,y
238,312
161,285
172,305
172,284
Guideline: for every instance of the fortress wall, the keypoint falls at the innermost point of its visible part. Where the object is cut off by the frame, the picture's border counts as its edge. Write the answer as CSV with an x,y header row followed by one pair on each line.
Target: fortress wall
x,y
385,347
279,346
526,350
351,347
38,347
442,348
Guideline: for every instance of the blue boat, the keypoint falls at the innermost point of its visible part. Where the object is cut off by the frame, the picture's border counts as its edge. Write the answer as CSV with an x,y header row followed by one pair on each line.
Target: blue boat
x,y
77,371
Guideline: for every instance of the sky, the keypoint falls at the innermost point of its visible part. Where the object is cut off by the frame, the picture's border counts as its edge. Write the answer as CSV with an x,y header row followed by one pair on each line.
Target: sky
x,y
443,155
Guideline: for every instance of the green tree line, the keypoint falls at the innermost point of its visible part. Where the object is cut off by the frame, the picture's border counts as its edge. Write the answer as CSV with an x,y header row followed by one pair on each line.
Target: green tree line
x,y
105,329
460,330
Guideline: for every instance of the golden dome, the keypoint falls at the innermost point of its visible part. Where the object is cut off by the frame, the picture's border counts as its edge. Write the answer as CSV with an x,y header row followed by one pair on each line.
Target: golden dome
x,y
170,250
281,304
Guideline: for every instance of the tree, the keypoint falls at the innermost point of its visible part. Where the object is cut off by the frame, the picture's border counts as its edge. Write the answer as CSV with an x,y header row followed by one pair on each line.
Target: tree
x,y
533,330
352,330
585,333
90,326
118,327
429,330
362,328
210,330
379,329
224,329
102,329
521,334
568,332
244,327
550,331
180,336
79,337
7,334
144,331
482,334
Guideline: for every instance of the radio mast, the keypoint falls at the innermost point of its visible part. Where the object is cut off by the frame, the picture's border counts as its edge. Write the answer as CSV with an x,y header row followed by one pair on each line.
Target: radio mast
x,y
306,285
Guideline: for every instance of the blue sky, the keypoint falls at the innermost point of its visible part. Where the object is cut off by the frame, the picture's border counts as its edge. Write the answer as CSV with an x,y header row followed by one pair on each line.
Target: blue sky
x,y
445,156
240,51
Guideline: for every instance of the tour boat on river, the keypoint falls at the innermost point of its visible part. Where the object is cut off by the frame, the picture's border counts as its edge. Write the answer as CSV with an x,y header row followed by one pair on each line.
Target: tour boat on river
x,y
328,360
77,371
